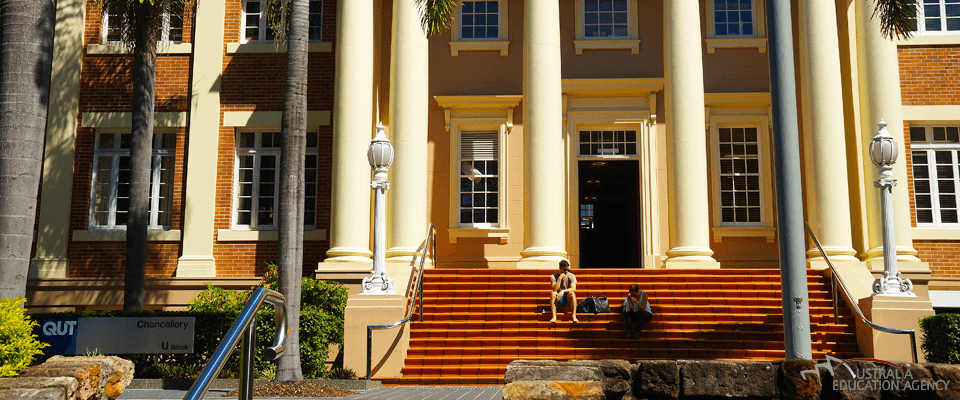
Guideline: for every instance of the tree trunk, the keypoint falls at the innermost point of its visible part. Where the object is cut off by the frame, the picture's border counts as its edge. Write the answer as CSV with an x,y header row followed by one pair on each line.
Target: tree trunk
x,y
292,150
141,162
25,56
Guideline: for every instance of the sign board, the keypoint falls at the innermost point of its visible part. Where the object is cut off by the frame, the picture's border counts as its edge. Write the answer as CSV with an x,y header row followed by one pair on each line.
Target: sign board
x,y
120,335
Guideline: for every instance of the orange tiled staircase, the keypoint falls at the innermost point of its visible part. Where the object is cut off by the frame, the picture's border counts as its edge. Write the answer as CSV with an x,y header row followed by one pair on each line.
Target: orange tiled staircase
x,y
477,321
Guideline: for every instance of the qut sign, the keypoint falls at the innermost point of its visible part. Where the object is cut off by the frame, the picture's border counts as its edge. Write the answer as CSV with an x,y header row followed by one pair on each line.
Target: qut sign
x,y
118,335
61,334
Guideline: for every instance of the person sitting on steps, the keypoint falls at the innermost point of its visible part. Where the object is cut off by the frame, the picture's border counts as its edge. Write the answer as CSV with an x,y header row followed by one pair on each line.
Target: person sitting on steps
x,y
636,308
563,286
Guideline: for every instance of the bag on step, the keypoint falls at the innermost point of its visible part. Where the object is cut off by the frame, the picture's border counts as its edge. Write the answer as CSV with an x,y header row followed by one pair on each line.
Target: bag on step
x,y
594,305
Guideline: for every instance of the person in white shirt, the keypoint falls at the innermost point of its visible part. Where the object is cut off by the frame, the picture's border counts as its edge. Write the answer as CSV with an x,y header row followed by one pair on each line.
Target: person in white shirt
x,y
636,308
563,285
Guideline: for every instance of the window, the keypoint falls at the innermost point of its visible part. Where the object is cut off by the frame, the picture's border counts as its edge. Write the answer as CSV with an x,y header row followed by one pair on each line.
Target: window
x,y
733,18
480,26
606,143
607,24
605,19
257,172
938,17
110,197
479,179
172,31
739,169
934,150
256,27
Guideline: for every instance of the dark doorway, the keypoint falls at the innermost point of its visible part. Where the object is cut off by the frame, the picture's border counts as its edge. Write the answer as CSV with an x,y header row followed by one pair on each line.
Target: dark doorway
x,y
609,214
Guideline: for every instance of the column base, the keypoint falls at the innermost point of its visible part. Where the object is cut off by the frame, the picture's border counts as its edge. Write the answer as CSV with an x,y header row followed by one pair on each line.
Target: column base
x,y
891,312
49,268
691,257
904,254
836,253
402,254
196,267
541,258
389,345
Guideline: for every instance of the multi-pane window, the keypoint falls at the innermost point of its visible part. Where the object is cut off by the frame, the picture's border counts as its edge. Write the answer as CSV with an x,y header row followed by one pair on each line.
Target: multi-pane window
x,y
740,191
934,150
258,179
172,31
602,143
479,179
938,16
733,18
256,27
605,18
110,198
480,20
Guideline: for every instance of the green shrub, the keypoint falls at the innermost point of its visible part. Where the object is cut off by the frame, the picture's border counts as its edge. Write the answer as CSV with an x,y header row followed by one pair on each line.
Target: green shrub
x,y
217,299
941,338
18,344
341,373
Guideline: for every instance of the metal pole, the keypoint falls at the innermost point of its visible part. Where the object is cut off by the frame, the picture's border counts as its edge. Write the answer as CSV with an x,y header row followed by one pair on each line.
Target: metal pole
x,y
246,367
786,153
369,349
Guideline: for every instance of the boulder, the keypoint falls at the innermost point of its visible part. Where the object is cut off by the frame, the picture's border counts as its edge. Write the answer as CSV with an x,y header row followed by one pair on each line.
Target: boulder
x,y
98,377
728,379
64,388
553,390
656,379
552,371
910,375
793,385
948,376
847,386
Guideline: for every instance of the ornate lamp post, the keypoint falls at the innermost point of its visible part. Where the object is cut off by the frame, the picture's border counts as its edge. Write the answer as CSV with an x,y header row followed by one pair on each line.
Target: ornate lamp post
x,y
380,155
883,153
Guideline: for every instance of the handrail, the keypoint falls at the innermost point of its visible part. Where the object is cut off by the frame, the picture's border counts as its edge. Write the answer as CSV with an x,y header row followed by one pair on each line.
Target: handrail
x,y
245,325
837,278
430,242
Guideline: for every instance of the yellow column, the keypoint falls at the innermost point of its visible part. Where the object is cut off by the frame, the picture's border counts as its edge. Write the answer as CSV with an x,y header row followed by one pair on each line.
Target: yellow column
x,y
200,200
685,121
54,230
352,131
409,99
828,208
878,70
544,228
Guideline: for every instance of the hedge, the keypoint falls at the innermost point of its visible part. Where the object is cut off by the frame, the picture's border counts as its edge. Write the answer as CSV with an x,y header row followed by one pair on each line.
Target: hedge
x,y
941,338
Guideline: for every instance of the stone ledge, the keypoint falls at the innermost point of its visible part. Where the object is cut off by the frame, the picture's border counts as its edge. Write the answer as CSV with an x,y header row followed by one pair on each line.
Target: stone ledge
x,y
184,384
78,378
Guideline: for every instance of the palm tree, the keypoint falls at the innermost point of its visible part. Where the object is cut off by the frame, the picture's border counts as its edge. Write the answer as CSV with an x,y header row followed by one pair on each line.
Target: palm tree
x,y
26,52
141,24
436,15
898,18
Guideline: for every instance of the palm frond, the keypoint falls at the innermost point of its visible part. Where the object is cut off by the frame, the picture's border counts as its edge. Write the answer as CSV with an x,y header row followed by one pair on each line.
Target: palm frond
x,y
436,15
898,18
141,18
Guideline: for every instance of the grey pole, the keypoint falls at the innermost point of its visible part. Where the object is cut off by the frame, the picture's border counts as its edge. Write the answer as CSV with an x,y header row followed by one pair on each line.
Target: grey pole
x,y
786,153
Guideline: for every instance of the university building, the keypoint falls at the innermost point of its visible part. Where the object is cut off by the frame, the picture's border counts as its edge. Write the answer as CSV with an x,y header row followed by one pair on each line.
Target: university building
x,y
613,133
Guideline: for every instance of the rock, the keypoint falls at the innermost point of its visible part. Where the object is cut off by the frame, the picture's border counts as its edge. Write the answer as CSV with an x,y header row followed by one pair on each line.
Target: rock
x,y
792,385
553,390
910,378
38,388
728,379
615,368
614,388
949,376
845,386
656,379
552,371
99,377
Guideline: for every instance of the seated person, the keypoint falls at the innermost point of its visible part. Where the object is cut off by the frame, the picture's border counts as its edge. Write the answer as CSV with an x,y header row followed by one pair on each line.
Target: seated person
x,y
562,285
636,307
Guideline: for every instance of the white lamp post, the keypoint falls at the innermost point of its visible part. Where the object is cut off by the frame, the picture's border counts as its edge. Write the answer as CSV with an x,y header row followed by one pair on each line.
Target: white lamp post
x,y
380,155
883,153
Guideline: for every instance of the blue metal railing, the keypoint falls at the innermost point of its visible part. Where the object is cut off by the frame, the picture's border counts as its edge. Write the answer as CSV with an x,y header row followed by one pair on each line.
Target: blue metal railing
x,y
245,326
836,316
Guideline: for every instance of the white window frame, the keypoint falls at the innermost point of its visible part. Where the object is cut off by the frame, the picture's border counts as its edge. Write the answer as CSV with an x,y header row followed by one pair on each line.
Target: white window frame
x,y
456,131
164,32
922,26
155,182
501,43
263,36
757,40
930,148
258,152
766,224
630,42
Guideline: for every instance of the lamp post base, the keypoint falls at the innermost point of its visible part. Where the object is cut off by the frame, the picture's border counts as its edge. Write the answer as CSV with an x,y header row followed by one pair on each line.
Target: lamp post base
x,y
896,286
378,284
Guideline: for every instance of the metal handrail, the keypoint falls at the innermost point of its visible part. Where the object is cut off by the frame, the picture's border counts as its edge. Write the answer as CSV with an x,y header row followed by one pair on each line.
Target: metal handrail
x,y
246,326
416,286
836,317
